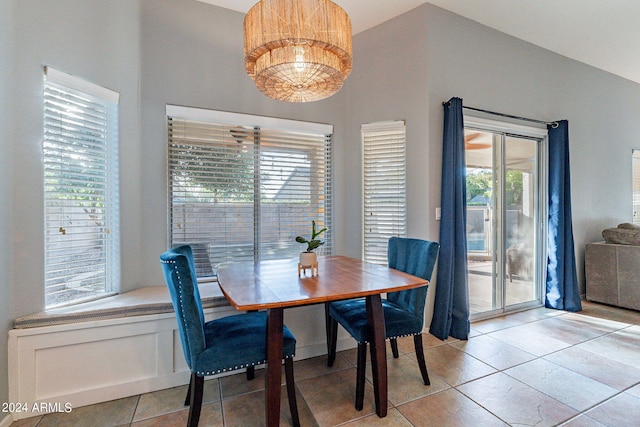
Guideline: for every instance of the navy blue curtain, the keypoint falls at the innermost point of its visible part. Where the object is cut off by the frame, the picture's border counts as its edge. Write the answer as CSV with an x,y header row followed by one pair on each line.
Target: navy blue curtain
x,y
562,290
451,310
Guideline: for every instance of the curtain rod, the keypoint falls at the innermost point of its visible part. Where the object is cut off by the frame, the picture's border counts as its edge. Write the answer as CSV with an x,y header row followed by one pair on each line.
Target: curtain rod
x,y
552,124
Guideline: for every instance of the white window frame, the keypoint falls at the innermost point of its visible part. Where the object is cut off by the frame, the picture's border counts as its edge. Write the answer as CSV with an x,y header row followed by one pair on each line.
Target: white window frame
x,y
81,190
384,200
218,232
635,184
506,128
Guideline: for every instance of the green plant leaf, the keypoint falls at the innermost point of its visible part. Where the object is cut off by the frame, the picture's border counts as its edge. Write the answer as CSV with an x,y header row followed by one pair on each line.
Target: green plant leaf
x,y
313,243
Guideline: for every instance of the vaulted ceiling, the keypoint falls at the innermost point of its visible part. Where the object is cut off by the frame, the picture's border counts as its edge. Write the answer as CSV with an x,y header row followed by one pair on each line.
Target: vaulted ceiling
x,y
601,33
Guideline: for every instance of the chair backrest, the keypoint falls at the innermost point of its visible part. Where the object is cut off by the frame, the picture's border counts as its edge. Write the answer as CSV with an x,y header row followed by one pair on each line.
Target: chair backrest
x,y
180,276
418,258
200,258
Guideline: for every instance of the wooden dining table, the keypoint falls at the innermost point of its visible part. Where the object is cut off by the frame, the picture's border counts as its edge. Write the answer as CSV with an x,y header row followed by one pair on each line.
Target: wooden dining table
x,y
275,285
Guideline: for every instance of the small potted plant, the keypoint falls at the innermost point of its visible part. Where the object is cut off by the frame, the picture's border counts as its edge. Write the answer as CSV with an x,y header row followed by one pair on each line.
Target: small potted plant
x,y
308,257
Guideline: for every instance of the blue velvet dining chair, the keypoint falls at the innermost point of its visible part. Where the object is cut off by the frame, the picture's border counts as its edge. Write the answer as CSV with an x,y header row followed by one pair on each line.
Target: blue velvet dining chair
x,y
403,311
220,345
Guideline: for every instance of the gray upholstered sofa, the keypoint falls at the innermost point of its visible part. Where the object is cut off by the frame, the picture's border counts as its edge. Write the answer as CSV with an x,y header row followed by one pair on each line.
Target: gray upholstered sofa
x,y
613,267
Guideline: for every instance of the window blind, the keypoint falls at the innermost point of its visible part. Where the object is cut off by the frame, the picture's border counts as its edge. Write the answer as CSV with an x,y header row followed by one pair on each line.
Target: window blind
x,y
384,187
244,192
80,152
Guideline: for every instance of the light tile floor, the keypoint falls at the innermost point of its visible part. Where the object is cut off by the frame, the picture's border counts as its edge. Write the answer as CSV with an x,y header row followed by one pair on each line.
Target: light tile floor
x,y
540,367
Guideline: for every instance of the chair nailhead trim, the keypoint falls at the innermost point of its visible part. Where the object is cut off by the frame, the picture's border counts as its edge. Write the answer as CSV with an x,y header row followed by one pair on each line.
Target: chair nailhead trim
x,y
181,298
396,337
221,370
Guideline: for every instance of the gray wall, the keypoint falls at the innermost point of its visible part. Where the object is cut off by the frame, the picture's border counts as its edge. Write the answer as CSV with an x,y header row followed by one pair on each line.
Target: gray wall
x,y
93,39
192,55
388,82
491,70
405,69
152,52
184,52
9,293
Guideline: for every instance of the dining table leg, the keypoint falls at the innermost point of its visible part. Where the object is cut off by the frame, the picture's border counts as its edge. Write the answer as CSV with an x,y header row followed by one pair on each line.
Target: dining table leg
x,y
274,366
375,319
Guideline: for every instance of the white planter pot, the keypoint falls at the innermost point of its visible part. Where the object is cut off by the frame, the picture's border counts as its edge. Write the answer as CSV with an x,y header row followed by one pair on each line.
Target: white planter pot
x,y
307,259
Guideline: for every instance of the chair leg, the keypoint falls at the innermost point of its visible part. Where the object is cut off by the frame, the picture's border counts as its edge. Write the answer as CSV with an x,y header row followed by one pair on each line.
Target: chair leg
x,y
187,400
417,341
291,391
251,370
360,375
394,347
196,386
331,326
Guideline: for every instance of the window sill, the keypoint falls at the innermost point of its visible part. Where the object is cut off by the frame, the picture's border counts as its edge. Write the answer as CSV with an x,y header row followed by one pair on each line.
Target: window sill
x,y
139,302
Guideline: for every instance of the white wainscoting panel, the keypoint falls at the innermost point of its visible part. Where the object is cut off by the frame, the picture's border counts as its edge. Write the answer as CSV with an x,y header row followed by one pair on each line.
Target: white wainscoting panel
x,y
96,361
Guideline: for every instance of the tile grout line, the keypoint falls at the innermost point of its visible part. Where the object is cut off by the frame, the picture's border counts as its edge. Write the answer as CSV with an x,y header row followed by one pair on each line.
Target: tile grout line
x,y
135,409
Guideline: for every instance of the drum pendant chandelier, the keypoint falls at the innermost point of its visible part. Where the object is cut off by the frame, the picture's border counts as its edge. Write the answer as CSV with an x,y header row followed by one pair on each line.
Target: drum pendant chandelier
x,y
297,50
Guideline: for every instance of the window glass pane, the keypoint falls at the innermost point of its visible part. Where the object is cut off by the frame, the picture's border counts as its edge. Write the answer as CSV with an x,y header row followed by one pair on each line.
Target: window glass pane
x,y
244,192
81,194
384,187
504,187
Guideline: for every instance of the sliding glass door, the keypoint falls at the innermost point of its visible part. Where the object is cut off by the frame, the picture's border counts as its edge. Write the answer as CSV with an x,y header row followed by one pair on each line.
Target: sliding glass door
x,y
505,212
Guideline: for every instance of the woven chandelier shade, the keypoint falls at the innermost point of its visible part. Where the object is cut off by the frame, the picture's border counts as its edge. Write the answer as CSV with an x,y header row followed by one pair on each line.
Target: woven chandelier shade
x,y
297,50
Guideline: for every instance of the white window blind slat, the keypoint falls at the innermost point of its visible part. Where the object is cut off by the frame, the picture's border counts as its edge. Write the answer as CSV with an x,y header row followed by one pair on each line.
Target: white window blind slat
x,y
80,190
384,187
239,191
